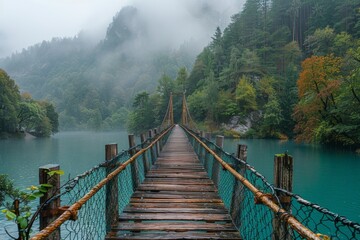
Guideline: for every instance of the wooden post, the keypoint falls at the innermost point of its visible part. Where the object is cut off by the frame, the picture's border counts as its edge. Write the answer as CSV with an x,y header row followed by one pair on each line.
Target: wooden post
x,y
112,189
206,160
237,199
202,150
208,136
144,156
152,153
283,178
133,165
157,143
216,165
46,216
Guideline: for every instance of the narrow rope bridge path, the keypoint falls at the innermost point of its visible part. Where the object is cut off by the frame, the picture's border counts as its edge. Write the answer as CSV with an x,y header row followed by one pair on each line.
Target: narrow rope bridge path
x,y
177,200
193,189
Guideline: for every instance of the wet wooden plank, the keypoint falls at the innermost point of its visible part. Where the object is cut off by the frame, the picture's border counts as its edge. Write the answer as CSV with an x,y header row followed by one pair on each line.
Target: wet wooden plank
x,y
179,181
175,226
178,175
175,235
176,200
177,205
173,210
175,195
134,200
173,216
174,187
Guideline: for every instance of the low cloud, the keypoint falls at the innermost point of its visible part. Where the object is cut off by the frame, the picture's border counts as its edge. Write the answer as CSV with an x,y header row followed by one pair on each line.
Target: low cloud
x,y
170,23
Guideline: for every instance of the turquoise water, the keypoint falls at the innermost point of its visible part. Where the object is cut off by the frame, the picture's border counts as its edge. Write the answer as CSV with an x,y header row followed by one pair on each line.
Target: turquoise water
x,y
76,152
326,176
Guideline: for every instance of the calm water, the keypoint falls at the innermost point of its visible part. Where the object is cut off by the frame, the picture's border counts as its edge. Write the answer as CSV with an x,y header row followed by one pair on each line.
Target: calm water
x,y
325,176
322,175
76,152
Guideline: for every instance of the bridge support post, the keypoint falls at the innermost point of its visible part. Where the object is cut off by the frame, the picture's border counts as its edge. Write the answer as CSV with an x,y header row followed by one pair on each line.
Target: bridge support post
x,y
45,216
133,165
202,151
112,189
152,153
206,160
144,156
283,178
216,165
157,143
237,199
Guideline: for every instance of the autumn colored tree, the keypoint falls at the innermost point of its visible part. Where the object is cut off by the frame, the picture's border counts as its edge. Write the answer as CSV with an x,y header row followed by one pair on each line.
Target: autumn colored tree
x,y
318,84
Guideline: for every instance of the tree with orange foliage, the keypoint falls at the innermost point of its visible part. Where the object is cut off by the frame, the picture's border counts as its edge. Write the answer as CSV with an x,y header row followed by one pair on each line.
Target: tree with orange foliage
x,y
318,85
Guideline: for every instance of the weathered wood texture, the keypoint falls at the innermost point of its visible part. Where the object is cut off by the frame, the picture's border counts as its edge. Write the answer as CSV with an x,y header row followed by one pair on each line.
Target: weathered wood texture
x,y
44,178
112,189
283,178
176,200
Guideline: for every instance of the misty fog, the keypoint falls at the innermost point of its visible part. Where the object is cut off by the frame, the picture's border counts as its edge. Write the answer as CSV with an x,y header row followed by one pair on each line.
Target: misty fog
x,y
26,22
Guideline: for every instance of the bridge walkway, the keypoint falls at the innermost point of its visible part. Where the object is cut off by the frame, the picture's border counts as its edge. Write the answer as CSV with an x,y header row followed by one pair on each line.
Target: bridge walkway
x,y
177,200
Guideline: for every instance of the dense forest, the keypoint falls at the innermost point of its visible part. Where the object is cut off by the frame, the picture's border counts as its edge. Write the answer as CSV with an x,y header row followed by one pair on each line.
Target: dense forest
x,y
280,69
93,85
21,113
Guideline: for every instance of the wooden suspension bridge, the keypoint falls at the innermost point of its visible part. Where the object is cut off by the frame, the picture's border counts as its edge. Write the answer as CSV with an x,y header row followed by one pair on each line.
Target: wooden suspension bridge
x,y
177,200
178,185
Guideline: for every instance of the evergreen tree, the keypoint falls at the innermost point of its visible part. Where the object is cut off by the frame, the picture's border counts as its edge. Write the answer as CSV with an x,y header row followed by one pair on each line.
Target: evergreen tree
x,y
9,103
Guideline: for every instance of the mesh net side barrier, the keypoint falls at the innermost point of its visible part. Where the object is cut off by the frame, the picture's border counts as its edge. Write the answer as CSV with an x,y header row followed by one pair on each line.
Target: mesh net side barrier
x,y
255,220
90,220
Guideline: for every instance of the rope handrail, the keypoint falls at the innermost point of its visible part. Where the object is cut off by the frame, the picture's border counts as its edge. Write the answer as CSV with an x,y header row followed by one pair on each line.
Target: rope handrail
x,y
260,196
317,207
168,117
71,212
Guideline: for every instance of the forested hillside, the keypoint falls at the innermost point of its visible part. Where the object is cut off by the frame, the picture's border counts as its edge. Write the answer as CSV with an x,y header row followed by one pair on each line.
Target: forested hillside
x,y
282,69
21,113
92,85
290,67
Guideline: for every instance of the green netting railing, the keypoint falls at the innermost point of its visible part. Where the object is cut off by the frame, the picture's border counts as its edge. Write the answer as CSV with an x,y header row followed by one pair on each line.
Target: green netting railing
x,y
257,221
90,222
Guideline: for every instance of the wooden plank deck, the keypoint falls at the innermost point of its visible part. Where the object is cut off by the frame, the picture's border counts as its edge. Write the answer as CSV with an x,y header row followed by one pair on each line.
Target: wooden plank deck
x,y
177,200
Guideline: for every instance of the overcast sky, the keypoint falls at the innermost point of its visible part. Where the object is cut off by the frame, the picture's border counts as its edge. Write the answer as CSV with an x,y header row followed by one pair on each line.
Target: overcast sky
x,y
26,22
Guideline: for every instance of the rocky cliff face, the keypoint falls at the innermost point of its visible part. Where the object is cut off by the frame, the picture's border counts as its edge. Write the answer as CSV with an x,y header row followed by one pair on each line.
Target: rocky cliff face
x,y
242,125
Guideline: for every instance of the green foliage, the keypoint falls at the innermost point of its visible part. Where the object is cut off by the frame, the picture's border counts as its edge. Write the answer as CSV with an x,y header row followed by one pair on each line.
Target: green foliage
x,y
89,83
9,103
142,118
272,117
33,117
180,80
22,113
251,68
226,106
19,210
197,105
256,63
246,96
5,186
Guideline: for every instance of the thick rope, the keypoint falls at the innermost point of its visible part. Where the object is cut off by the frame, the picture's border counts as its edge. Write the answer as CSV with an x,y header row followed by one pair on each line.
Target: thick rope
x,y
71,212
260,196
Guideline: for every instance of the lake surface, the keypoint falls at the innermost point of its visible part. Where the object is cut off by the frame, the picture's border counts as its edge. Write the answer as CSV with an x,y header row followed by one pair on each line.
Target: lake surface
x,y
322,175
326,176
